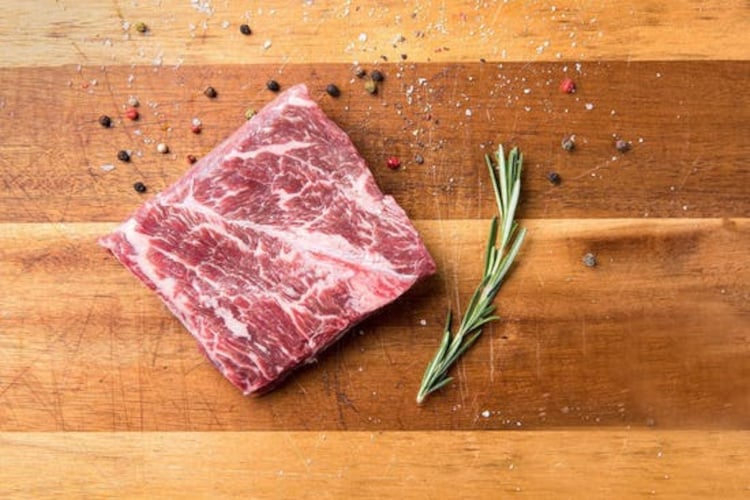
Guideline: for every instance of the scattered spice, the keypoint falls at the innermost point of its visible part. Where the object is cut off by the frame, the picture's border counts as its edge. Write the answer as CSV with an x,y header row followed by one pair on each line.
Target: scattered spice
x,y
139,187
589,260
371,86
273,85
210,92
418,159
567,86
554,178
403,57
245,29
359,72
141,27
162,148
123,155
393,162
249,113
133,101
132,114
105,121
622,146
333,90
568,142
378,76
191,159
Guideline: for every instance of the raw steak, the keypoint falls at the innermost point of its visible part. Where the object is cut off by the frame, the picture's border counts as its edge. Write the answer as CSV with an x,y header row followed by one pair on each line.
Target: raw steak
x,y
273,245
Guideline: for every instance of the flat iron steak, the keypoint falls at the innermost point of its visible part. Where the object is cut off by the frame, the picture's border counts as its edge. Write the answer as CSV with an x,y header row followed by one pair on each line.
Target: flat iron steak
x,y
273,245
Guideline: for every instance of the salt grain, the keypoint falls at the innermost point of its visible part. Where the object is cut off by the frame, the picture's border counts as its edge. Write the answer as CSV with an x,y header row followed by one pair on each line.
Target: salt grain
x,y
486,413
362,37
267,45
589,106
107,167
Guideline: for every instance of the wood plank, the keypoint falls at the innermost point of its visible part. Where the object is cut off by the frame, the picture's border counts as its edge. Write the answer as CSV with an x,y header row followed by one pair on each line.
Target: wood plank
x,y
562,464
655,335
46,32
53,147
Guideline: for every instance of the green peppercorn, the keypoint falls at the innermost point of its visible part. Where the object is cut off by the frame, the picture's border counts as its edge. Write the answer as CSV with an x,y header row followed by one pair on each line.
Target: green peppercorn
x,y
139,187
371,86
273,85
249,113
141,27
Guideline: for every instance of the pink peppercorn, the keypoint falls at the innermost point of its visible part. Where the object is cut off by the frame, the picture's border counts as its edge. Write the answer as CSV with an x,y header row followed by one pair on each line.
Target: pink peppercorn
x,y
131,113
393,162
567,86
191,159
196,129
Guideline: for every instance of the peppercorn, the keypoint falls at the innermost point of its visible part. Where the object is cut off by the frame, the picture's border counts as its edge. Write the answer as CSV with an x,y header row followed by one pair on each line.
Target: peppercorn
x,y
273,85
567,86
333,90
359,72
622,146
191,159
568,143
554,178
403,57
139,187
210,92
393,163
418,159
132,114
123,155
377,76
589,260
141,27
105,121
371,86
245,29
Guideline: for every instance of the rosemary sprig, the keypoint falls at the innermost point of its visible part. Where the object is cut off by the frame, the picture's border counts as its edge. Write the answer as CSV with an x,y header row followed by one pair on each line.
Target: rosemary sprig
x,y
504,241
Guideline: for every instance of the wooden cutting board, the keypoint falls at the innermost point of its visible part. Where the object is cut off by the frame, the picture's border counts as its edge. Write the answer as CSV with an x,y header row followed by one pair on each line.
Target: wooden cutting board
x,y
630,377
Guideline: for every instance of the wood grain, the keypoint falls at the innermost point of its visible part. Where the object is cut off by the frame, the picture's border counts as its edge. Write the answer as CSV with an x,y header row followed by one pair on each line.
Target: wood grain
x,y
627,380
619,463
688,158
49,33
656,335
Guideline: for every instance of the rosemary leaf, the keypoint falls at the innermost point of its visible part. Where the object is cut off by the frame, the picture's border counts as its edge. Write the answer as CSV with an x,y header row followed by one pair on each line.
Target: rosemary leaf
x,y
505,175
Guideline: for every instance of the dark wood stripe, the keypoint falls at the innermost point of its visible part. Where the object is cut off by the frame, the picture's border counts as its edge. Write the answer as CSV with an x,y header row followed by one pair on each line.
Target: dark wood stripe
x,y
691,117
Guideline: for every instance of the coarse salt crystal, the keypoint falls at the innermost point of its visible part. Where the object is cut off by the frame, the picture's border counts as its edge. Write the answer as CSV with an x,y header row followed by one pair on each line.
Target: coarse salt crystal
x,y
486,413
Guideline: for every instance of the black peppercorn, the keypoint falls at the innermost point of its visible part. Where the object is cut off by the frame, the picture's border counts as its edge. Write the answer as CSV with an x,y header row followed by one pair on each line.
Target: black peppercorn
x,y
333,90
377,76
210,92
139,187
273,85
554,178
105,121
245,29
123,155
